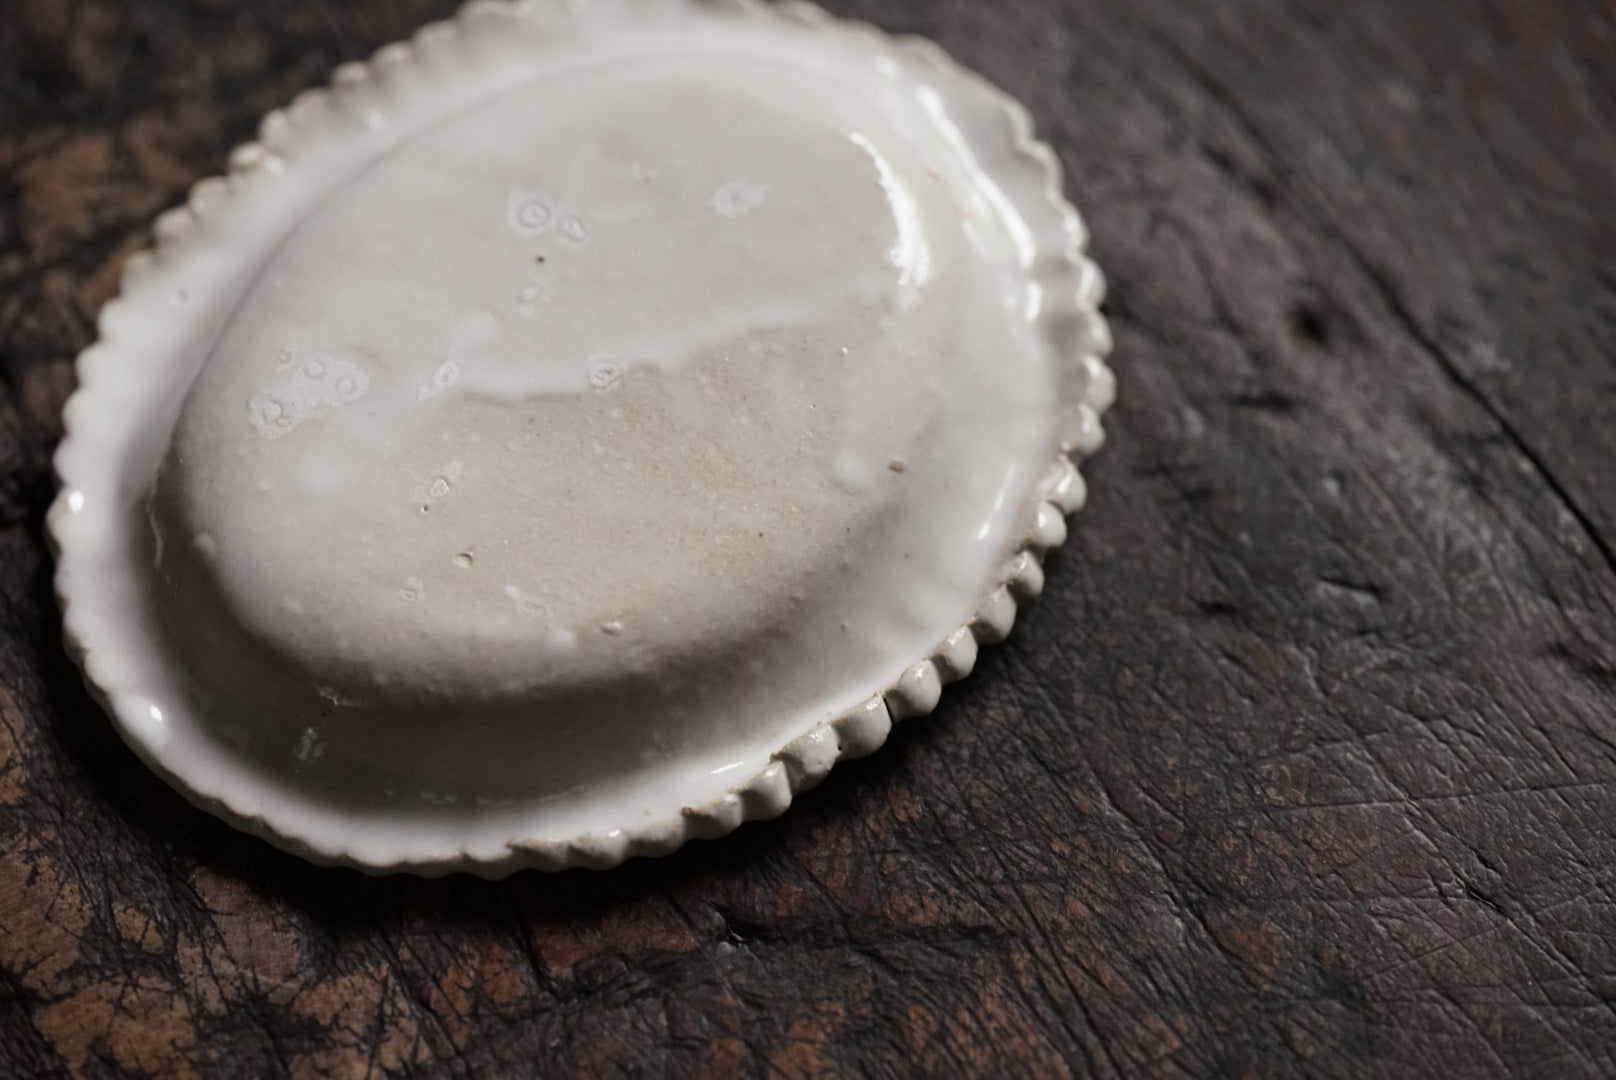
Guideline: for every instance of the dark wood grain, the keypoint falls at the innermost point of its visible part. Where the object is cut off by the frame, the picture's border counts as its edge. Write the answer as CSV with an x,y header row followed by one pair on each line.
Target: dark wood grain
x,y
1305,764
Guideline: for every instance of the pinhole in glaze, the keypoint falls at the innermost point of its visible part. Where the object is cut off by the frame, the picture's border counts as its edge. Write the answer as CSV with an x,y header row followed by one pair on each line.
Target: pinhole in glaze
x,y
575,430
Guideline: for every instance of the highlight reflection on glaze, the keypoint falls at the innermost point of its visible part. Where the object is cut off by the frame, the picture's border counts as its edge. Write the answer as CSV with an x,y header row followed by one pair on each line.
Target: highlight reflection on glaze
x,y
909,253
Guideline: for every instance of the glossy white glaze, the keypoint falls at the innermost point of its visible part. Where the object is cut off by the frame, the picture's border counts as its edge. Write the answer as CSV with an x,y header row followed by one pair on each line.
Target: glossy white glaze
x,y
547,440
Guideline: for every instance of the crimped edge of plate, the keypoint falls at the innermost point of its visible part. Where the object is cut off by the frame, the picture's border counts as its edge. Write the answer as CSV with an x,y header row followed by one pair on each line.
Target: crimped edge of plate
x,y
803,762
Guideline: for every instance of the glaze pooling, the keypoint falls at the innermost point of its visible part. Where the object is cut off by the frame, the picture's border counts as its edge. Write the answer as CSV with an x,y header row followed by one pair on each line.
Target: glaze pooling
x,y
557,437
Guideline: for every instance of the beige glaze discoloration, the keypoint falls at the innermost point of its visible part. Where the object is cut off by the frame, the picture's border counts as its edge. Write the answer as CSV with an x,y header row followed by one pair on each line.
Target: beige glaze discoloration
x,y
526,484
688,432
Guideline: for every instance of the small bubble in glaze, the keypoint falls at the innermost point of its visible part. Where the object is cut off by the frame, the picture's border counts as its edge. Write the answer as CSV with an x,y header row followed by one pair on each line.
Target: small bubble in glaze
x,y
529,212
441,483
268,412
463,560
574,230
414,590
443,378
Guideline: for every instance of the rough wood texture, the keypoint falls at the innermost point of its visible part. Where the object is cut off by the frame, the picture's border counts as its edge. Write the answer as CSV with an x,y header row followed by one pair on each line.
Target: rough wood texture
x,y
1306,764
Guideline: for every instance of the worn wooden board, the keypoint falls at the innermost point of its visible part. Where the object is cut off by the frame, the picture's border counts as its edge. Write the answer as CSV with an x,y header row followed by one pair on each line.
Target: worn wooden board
x,y
1305,764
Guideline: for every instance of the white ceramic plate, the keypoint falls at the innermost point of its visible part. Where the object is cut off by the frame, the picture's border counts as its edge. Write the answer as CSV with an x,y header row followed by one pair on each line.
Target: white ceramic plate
x,y
574,431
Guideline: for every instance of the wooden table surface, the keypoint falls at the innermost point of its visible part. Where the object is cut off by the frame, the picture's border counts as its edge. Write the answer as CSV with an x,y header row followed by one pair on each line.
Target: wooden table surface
x,y
1304,765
